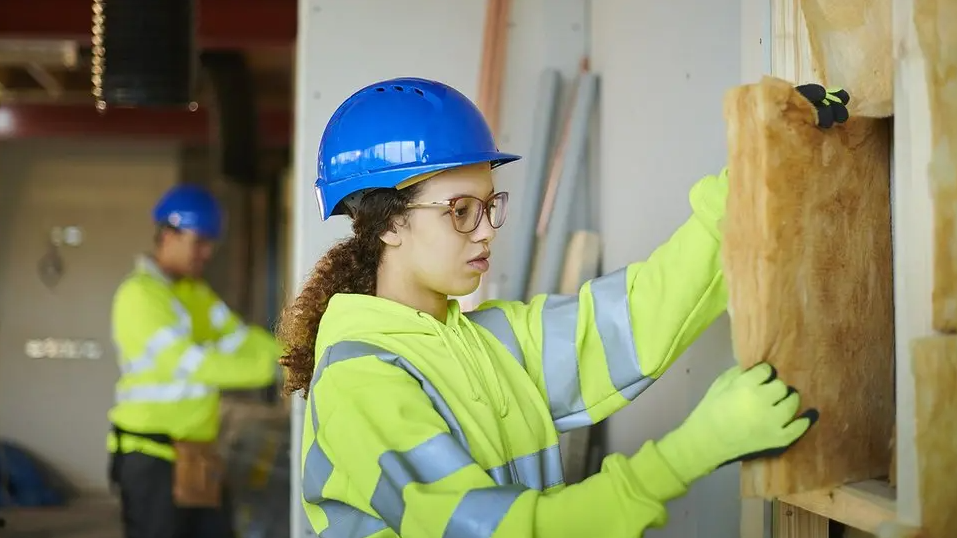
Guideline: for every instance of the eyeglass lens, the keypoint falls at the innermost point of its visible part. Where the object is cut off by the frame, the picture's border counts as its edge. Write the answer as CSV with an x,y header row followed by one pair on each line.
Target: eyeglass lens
x,y
467,212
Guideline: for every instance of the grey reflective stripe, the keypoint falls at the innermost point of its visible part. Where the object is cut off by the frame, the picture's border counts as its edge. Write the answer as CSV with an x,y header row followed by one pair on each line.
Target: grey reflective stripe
x,y
481,511
615,328
429,462
495,322
344,520
348,522
432,460
192,357
219,315
164,392
560,355
190,361
161,339
231,342
316,471
560,362
538,471
351,350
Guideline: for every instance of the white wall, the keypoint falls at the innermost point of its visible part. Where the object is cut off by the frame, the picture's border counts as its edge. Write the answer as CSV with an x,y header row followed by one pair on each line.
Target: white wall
x,y
664,67
57,408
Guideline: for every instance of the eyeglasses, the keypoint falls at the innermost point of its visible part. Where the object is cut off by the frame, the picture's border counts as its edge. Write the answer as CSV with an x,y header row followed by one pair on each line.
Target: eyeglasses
x,y
467,211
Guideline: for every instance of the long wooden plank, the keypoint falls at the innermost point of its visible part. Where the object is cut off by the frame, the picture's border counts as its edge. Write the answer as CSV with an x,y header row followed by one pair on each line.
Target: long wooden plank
x,y
913,216
807,254
864,505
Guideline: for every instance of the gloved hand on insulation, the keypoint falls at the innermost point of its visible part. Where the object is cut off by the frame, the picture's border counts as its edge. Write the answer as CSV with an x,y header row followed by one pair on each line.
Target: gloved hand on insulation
x,y
746,414
831,104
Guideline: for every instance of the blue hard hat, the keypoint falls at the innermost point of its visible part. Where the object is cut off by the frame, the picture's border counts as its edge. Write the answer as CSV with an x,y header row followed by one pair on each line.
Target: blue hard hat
x,y
189,207
394,130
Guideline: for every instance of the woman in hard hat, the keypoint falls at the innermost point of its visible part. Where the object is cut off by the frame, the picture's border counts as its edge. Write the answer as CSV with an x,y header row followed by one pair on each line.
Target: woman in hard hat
x,y
426,422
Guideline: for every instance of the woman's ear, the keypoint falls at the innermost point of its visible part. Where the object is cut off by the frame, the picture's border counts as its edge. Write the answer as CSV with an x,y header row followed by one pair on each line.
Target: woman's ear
x,y
391,237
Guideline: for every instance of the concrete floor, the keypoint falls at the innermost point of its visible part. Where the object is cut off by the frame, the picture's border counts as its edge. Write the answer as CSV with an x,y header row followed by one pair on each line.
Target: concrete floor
x,y
87,517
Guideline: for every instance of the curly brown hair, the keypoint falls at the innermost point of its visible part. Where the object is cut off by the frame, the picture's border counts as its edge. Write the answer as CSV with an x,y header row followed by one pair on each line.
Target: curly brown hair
x,y
351,266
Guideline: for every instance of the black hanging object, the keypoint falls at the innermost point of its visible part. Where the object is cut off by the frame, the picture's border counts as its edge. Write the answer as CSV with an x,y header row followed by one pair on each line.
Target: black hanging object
x,y
143,52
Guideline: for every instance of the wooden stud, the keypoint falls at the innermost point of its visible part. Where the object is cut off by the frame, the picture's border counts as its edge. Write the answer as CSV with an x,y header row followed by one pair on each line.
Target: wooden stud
x,y
913,216
793,522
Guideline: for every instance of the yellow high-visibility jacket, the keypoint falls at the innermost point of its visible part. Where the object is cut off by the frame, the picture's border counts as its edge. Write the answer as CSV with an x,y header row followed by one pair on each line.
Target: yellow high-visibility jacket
x,y
177,345
423,429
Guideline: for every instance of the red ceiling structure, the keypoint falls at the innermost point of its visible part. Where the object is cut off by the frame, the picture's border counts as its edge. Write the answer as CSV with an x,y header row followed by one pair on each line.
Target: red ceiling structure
x,y
74,121
221,23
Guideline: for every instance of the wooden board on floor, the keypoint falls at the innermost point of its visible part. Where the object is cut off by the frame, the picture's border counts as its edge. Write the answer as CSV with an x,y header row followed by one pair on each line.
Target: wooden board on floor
x,y
934,361
807,255
938,42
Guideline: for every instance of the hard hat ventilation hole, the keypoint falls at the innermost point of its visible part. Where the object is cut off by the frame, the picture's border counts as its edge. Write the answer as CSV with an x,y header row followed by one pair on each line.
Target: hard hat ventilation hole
x,y
398,88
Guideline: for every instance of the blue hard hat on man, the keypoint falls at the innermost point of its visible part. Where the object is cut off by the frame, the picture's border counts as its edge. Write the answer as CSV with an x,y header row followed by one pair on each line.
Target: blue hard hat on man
x,y
395,130
190,207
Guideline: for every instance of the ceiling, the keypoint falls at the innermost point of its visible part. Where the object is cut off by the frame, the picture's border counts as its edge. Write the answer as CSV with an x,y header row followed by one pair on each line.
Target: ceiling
x,y
45,64
60,73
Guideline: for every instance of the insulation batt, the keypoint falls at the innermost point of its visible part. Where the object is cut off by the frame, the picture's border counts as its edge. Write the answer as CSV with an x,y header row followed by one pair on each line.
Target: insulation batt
x,y
936,25
807,256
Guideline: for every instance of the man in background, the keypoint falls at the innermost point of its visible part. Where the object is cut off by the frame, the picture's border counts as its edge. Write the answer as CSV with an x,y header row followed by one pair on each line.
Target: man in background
x,y
178,345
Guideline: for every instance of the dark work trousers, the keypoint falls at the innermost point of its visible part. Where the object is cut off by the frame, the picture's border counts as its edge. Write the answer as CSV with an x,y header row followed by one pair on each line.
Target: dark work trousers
x,y
146,495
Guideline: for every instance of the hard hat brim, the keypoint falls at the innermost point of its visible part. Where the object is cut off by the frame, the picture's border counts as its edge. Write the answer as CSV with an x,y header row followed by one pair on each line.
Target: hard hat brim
x,y
331,195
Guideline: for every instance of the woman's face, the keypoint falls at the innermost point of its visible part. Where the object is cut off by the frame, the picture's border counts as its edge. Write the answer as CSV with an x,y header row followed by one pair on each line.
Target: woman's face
x,y
440,258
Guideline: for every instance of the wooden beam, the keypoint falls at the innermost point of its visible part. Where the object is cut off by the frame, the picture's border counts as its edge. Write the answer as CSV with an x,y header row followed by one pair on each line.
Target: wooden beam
x,y
864,505
790,46
221,23
75,121
913,232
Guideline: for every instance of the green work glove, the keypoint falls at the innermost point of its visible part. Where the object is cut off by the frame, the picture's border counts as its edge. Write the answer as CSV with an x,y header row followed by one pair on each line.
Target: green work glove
x,y
746,414
831,104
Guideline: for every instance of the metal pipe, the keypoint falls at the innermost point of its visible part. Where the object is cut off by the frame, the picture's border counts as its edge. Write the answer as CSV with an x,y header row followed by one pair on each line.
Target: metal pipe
x,y
549,271
543,125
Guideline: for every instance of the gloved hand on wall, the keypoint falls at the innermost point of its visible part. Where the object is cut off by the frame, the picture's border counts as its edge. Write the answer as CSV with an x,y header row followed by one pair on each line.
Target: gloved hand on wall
x,y
746,414
831,104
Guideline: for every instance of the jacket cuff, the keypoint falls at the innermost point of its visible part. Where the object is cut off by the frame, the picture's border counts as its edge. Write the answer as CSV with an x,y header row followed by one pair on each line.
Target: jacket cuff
x,y
658,478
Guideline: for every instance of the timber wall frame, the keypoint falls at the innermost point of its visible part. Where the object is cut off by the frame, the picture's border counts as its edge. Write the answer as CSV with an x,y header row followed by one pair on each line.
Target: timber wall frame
x,y
872,506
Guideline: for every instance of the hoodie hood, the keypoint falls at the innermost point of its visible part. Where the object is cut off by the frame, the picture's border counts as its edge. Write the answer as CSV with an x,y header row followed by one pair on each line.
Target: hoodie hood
x,y
453,344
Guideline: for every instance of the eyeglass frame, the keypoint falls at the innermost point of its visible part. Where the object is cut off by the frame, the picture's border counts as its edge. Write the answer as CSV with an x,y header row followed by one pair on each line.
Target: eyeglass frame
x,y
450,204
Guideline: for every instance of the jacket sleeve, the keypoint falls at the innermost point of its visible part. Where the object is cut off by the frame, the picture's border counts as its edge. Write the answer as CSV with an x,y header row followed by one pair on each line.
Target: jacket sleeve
x,y
155,336
233,333
390,449
592,353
